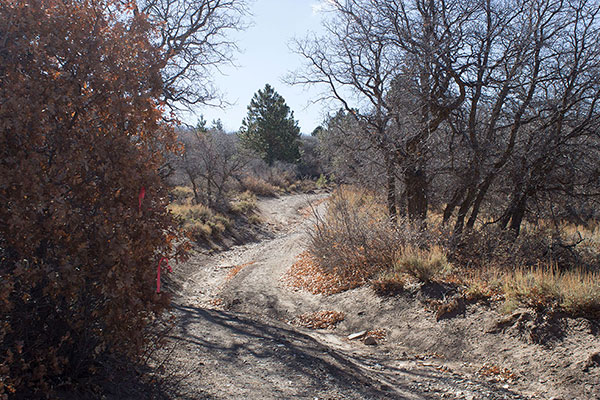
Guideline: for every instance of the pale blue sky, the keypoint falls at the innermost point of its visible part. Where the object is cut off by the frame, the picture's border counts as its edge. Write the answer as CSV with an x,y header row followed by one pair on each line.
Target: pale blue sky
x,y
266,58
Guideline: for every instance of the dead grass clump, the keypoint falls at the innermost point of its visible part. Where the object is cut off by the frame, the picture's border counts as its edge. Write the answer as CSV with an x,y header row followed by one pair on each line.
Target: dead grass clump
x,y
481,285
389,283
181,195
198,231
245,204
423,265
259,187
187,212
319,320
307,274
576,292
199,221
581,294
302,186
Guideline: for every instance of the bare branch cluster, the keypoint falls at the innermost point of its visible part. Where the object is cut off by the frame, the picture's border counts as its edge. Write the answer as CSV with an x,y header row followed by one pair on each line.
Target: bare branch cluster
x,y
193,38
469,105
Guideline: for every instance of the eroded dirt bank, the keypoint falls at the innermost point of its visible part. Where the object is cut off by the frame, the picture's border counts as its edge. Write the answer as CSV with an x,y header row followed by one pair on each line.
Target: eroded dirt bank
x,y
235,338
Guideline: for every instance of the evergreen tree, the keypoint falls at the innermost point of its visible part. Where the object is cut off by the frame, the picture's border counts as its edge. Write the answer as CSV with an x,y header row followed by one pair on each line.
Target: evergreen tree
x,y
269,129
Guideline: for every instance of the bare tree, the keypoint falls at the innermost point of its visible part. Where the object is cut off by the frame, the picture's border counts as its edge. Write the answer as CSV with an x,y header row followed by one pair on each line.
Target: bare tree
x,y
353,62
495,100
377,53
194,42
212,161
530,69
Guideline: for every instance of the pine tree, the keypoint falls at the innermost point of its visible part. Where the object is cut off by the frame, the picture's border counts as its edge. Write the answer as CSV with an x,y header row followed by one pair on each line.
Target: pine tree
x,y
269,129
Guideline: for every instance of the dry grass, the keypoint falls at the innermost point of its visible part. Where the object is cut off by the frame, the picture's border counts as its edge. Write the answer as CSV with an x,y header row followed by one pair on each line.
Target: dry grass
x,y
182,195
244,204
199,221
302,186
355,242
576,292
389,283
319,320
422,264
259,187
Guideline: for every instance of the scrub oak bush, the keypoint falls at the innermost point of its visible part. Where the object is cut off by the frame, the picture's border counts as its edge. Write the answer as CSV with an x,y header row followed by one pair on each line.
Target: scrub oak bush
x,y
80,135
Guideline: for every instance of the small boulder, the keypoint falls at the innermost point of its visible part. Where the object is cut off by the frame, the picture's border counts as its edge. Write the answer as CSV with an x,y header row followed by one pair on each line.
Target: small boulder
x,y
370,341
592,361
452,309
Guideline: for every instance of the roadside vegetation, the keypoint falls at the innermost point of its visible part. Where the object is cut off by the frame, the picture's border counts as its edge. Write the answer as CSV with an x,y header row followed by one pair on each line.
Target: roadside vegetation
x,y
354,244
471,129
465,157
216,180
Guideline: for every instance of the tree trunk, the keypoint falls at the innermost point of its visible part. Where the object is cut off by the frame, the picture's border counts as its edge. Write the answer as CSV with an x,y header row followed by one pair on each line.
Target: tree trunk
x,y
482,191
462,211
416,193
195,189
391,189
517,215
449,210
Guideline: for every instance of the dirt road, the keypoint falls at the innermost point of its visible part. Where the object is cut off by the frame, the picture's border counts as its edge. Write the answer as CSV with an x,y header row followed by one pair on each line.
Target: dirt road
x,y
234,339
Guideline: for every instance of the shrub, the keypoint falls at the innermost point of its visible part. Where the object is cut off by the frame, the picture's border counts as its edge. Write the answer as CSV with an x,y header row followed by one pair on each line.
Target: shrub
x,y
245,204
322,181
258,186
191,213
389,283
356,234
80,136
199,221
182,195
424,265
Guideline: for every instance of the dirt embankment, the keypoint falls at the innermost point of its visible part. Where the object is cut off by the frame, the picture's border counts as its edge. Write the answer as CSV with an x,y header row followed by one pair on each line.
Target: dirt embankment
x,y
241,334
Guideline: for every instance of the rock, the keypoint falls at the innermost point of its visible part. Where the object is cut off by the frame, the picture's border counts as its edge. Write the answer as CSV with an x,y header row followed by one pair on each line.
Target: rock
x,y
451,309
370,341
357,335
506,322
592,361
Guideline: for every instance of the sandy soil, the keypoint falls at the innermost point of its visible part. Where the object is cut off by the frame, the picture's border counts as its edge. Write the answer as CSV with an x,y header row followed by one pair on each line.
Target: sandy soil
x,y
235,340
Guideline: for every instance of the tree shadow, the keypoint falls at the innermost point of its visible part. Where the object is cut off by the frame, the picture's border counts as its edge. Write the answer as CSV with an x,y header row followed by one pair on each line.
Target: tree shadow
x,y
240,339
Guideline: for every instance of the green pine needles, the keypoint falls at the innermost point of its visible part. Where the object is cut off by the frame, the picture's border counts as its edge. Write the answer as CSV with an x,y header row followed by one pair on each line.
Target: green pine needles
x,y
269,129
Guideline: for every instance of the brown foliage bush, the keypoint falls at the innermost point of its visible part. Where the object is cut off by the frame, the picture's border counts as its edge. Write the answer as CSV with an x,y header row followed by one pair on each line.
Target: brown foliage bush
x,y
258,186
80,135
325,319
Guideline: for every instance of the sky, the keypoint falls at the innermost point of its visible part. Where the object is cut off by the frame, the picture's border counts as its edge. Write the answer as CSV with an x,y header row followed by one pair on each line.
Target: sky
x,y
266,58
